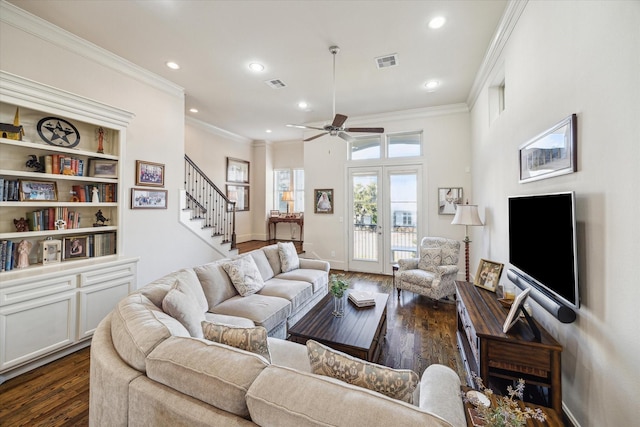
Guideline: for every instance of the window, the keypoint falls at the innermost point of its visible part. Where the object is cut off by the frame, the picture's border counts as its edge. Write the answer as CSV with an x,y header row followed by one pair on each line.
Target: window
x,y
367,147
289,180
404,144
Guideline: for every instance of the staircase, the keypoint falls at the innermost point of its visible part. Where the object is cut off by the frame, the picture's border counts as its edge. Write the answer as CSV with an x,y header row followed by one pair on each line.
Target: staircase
x,y
207,212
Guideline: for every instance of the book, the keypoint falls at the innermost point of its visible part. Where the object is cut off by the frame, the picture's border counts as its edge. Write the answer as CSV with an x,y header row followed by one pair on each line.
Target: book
x,y
362,298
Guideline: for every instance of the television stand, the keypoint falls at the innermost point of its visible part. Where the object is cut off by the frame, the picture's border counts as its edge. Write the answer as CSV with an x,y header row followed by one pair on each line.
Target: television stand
x,y
494,356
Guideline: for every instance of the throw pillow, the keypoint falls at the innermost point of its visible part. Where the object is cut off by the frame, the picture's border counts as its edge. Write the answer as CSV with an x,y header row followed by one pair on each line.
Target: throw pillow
x,y
430,259
249,339
395,383
179,304
288,256
244,275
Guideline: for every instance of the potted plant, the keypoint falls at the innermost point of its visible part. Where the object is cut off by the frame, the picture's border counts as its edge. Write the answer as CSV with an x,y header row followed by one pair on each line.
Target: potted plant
x,y
338,287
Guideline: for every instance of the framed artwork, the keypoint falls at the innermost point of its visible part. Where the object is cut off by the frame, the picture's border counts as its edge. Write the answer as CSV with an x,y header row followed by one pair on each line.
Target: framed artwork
x,y
323,201
488,275
448,199
274,214
50,251
512,317
75,247
240,195
237,170
103,168
552,153
149,174
35,191
142,198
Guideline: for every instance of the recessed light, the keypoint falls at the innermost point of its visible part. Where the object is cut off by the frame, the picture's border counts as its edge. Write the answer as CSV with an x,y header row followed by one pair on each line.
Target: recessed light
x,y
437,22
432,85
268,131
254,66
302,105
173,65
193,110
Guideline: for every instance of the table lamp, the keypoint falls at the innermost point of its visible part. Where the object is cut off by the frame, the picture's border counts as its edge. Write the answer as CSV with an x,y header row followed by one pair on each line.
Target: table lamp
x,y
466,215
287,196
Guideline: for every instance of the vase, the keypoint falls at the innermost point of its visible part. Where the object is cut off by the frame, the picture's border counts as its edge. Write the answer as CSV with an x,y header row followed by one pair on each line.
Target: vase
x,y
338,305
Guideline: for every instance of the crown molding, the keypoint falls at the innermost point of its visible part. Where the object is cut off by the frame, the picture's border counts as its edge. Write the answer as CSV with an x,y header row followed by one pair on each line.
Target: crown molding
x,y
25,21
492,56
216,130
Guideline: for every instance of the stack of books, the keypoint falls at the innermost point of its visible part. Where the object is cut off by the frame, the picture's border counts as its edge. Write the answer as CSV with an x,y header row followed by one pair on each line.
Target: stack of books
x,y
362,298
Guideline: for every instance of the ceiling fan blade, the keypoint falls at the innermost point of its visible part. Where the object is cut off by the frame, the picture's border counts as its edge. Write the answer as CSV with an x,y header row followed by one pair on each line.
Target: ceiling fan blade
x,y
339,120
370,130
346,136
317,136
304,127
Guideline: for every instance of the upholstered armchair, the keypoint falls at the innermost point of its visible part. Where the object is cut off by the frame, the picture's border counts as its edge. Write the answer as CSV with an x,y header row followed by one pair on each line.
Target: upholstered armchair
x,y
434,272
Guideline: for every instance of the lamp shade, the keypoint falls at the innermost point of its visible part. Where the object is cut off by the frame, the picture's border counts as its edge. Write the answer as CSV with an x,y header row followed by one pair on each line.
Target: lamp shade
x,y
287,196
467,215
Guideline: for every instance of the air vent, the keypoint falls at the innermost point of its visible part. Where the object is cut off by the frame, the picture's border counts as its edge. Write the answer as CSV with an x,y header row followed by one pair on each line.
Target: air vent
x,y
387,61
275,83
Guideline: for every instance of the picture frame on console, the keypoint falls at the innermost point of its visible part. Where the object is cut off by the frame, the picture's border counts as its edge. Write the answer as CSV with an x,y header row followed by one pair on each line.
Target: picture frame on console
x,y
552,153
488,275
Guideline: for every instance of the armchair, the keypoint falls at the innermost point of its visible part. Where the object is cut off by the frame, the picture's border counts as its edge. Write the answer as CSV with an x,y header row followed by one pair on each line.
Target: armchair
x,y
434,272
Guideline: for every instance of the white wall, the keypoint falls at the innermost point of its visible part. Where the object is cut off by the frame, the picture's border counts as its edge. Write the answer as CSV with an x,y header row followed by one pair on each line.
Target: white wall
x,y
579,57
445,163
156,133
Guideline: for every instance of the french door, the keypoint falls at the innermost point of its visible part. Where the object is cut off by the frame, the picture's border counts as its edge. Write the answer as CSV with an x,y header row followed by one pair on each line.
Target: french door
x,y
383,225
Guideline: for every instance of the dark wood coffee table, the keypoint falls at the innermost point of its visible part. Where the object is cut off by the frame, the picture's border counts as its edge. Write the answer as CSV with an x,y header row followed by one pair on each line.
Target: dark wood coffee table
x,y
359,332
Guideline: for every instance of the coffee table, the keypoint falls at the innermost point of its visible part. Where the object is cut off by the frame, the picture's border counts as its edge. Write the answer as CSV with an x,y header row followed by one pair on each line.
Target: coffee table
x,y
358,333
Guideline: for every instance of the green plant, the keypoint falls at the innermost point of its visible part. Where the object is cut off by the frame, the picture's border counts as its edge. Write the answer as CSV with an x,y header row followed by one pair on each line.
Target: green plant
x,y
505,412
337,286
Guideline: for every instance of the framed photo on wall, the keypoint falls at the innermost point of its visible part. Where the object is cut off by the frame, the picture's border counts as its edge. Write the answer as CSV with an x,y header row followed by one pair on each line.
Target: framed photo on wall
x,y
448,199
149,174
240,195
488,275
237,170
142,198
323,201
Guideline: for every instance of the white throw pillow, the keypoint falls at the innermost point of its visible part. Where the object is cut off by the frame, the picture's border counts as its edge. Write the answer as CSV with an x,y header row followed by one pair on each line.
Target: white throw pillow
x,y
244,275
182,306
288,256
430,259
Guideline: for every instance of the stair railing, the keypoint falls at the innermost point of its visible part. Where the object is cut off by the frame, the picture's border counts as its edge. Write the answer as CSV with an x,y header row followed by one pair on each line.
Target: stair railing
x,y
206,201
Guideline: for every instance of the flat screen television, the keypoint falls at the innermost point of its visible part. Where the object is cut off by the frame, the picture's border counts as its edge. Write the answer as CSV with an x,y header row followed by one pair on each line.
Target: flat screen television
x,y
542,244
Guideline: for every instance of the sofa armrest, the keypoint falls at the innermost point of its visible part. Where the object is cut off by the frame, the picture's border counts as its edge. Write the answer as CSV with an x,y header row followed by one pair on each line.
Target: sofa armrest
x,y
408,264
447,269
314,264
440,394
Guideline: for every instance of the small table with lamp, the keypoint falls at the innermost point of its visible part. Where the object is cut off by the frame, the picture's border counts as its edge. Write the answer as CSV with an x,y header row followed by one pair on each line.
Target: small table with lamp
x,y
289,218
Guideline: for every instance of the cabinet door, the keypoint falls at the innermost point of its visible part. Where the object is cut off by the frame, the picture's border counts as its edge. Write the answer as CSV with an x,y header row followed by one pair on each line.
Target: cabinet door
x,y
37,327
95,302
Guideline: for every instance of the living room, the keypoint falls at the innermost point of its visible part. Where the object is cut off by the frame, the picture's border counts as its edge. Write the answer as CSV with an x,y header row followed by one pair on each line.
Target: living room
x,y
559,58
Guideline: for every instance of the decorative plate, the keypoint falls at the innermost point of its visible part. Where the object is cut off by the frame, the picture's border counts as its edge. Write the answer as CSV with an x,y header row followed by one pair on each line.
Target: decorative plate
x,y
58,132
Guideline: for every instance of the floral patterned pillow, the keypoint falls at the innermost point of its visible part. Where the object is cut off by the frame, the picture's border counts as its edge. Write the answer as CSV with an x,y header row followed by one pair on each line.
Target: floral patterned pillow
x,y
244,275
430,259
288,256
395,383
249,339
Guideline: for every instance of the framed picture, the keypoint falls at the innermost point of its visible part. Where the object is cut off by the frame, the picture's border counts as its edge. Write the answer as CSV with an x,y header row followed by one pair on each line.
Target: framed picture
x,y
448,200
512,317
274,214
149,174
240,195
35,191
142,198
323,201
552,153
50,251
99,168
75,247
488,275
237,170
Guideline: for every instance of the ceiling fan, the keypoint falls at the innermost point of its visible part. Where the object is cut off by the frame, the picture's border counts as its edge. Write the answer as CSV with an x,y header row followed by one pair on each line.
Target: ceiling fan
x,y
336,128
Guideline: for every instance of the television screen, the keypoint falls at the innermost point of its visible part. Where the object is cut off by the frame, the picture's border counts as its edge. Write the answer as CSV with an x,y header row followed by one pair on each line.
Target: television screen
x,y
542,243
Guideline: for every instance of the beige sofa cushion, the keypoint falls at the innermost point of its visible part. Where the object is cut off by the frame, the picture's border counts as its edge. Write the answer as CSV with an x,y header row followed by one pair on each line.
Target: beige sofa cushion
x,y
229,320
138,326
285,397
319,279
273,256
297,292
395,383
430,259
180,303
263,310
263,264
215,282
253,339
214,373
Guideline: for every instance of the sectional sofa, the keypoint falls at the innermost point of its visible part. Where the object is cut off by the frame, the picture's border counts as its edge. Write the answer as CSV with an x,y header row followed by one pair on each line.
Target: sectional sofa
x,y
152,365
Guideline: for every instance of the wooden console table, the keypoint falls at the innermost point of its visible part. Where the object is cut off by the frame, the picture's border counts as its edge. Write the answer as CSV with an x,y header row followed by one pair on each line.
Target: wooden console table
x,y
490,353
277,220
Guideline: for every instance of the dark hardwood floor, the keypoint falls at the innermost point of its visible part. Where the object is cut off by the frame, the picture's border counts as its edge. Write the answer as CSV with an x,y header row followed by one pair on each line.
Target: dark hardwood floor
x,y
418,335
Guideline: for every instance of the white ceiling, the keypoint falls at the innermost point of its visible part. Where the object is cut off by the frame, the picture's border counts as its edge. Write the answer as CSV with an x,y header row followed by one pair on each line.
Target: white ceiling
x,y
214,41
